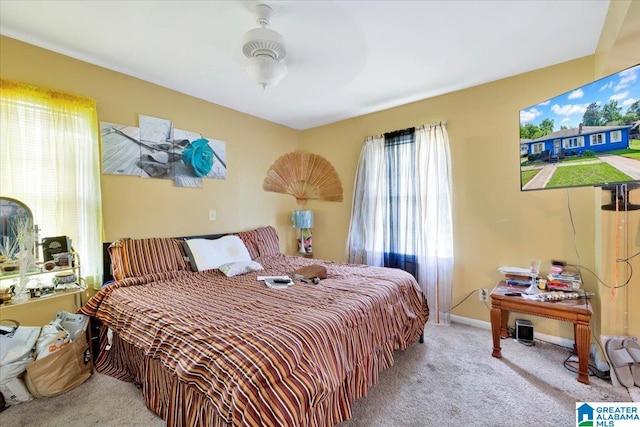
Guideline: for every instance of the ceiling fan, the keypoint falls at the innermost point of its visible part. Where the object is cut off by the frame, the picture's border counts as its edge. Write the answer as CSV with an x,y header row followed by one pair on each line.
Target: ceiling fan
x,y
265,50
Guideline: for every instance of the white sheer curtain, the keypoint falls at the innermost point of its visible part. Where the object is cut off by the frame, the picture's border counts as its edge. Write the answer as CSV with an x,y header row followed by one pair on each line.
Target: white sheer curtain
x,y
49,160
435,236
365,244
430,215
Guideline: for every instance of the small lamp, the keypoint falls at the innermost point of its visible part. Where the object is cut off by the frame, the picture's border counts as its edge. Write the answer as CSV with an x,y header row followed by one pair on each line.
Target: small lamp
x,y
303,220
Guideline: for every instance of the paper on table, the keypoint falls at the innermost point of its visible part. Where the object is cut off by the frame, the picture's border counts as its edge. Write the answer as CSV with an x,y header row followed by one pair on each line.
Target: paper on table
x,y
516,271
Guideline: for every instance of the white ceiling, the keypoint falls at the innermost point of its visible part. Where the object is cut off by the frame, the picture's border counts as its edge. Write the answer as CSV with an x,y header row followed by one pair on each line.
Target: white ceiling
x,y
345,58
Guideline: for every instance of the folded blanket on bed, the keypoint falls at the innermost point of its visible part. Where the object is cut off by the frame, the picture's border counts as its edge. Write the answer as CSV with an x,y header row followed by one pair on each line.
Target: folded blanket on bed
x,y
311,271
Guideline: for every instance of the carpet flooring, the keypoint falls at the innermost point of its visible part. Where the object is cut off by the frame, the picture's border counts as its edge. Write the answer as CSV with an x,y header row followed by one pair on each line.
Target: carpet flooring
x,y
450,380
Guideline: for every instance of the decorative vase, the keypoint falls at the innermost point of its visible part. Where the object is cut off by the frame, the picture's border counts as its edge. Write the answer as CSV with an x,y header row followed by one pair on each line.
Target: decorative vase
x,y
20,297
21,289
26,240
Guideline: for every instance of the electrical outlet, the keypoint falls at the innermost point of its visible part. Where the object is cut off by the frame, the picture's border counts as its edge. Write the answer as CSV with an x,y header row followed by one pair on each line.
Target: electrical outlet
x,y
483,294
212,215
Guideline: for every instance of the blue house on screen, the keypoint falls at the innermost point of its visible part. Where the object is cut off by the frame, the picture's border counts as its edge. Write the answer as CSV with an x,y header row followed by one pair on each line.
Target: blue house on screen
x,y
576,140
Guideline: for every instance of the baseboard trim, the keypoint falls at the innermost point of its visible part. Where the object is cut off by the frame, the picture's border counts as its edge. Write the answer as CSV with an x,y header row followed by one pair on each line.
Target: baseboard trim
x,y
600,363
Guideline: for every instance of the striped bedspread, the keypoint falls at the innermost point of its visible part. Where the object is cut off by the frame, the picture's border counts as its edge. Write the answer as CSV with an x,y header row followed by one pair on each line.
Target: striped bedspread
x,y
257,356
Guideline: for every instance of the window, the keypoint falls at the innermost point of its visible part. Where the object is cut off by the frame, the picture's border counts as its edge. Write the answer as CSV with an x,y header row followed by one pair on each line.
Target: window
x,y
616,136
575,142
399,228
596,139
49,160
401,211
537,148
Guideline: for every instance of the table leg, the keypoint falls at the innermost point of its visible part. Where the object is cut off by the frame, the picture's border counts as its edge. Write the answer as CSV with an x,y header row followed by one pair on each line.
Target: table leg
x,y
496,327
504,331
583,342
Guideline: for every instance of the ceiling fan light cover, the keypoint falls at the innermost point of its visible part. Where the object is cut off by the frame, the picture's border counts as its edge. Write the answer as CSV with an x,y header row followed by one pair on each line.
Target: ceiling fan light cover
x,y
264,48
264,70
263,40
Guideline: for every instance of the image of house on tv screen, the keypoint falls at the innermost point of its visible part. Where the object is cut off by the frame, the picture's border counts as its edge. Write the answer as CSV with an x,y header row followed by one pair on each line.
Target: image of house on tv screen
x,y
588,136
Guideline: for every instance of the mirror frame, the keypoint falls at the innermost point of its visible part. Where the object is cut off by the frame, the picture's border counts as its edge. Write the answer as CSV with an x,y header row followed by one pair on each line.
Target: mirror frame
x,y
12,208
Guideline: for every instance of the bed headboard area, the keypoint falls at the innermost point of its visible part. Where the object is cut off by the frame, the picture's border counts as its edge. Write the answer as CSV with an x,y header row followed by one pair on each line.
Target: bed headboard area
x,y
141,256
106,258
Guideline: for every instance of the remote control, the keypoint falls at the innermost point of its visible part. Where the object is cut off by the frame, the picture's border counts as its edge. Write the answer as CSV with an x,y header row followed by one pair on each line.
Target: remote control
x,y
281,281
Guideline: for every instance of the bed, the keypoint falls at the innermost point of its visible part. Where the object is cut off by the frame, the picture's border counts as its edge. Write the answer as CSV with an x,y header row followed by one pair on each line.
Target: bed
x,y
211,350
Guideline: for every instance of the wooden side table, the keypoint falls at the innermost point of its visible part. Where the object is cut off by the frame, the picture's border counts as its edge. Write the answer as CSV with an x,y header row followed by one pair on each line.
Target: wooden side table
x,y
305,255
576,311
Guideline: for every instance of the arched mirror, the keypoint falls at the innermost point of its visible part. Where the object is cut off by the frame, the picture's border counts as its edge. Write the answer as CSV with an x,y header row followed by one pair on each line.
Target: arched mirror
x,y
13,215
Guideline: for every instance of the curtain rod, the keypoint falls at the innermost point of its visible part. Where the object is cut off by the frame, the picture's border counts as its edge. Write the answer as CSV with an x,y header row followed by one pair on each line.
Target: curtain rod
x,y
409,130
442,122
397,133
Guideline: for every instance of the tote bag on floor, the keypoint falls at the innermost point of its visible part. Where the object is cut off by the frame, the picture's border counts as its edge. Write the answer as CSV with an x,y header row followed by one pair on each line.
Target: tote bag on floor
x,y
61,371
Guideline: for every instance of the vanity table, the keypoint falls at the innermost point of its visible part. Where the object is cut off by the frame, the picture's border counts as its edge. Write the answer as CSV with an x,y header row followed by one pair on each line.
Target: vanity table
x,y
40,307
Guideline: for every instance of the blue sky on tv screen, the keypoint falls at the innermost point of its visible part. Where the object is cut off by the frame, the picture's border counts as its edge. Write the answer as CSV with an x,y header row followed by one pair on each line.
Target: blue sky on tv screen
x,y
567,109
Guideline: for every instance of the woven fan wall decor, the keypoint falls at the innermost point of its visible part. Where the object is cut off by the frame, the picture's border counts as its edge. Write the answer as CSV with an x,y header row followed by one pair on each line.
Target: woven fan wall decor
x,y
304,176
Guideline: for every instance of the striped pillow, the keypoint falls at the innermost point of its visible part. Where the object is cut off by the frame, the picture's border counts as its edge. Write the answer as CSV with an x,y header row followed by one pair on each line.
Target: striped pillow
x,y
261,241
249,240
139,257
267,241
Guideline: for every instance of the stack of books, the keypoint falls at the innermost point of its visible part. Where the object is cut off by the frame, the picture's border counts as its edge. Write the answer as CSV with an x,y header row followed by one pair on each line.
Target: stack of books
x,y
564,281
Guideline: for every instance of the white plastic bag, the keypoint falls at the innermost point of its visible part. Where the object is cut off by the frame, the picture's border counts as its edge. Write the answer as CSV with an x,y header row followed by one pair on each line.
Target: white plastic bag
x,y
18,344
52,338
75,324
11,385
16,351
60,332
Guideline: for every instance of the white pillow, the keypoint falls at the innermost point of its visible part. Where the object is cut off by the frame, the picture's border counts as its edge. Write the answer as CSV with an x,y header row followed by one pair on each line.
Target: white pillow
x,y
205,254
231,269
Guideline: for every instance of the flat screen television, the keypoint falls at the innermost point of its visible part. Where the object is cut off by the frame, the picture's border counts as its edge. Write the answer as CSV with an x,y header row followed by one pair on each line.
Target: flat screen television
x,y
588,136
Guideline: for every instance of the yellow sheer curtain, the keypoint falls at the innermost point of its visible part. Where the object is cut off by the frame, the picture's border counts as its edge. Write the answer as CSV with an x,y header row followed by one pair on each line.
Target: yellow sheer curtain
x,y
50,160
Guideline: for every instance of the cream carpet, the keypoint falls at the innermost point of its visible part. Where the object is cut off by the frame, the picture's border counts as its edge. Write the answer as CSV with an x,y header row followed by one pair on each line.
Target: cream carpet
x,y
450,380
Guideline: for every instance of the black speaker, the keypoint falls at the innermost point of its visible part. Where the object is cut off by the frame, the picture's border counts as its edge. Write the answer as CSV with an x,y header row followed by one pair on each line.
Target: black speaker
x,y
524,332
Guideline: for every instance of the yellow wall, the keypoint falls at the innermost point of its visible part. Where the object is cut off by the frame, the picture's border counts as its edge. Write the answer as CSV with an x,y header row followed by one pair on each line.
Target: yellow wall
x,y
137,207
619,47
620,233
494,222
41,311
620,39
